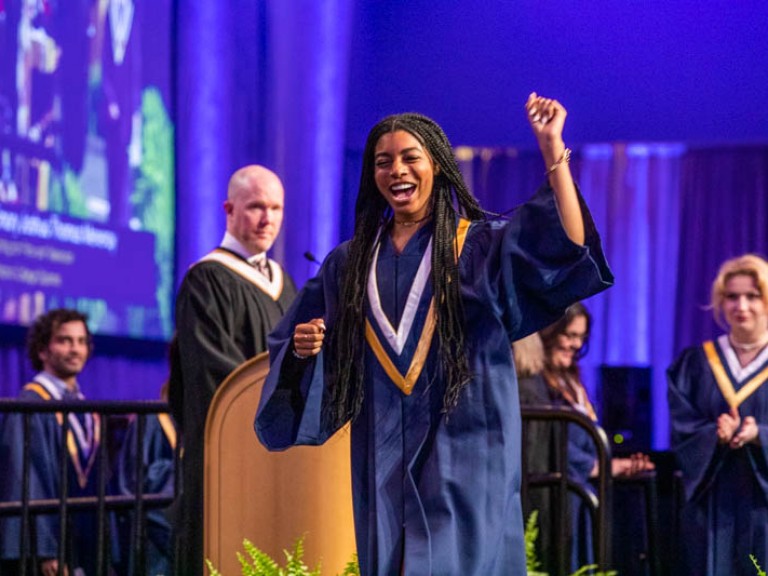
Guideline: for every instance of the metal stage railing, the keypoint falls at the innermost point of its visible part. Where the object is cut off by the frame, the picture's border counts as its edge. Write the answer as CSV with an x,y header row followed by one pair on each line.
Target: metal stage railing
x,y
561,485
113,414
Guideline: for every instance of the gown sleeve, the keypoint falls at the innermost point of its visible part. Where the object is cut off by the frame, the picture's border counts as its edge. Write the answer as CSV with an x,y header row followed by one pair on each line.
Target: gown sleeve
x,y
290,409
157,457
694,431
539,271
582,454
43,478
759,456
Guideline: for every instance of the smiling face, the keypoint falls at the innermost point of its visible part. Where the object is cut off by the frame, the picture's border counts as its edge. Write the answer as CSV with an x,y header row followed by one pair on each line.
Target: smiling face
x,y
404,173
569,342
744,308
67,351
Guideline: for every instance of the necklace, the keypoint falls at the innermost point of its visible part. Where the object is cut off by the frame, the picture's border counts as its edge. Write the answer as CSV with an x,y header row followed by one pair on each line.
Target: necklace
x,y
748,346
409,223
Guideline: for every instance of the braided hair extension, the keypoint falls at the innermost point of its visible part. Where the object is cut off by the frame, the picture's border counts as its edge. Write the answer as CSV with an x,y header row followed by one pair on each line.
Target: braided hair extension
x,y
347,339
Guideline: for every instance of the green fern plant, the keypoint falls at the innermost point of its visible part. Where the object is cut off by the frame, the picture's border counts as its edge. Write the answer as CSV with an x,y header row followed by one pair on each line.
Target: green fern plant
x,y
532,563
760,571
259,563
589,570
531,534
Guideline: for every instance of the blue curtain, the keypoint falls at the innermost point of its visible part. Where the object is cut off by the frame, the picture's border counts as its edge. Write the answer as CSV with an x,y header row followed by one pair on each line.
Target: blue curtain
x,y
633,193
271,90
723,213
668,217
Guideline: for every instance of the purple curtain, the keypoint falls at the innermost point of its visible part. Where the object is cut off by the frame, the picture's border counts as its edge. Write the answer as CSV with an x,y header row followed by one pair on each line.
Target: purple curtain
x,y
668,217
632,191
270,90
723,213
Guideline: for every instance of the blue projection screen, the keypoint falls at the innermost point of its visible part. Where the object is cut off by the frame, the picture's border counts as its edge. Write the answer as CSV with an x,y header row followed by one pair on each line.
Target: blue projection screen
x,y
87,163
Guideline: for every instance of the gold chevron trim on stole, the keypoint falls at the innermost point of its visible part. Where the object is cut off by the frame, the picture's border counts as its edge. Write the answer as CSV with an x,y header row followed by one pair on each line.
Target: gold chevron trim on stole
x,y
407,382
170,430
733,398
40,391
82,475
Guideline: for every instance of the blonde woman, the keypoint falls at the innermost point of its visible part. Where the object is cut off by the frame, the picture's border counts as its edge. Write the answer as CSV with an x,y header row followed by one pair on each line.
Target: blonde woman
x,y
719,412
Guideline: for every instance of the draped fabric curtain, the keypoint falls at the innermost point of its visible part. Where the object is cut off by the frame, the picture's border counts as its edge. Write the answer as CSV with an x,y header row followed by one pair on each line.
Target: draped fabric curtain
x,y
632,192
262,82
724,213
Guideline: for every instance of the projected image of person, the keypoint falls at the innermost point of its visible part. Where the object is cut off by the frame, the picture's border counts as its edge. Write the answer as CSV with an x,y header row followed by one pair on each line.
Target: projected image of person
x,y
59,344
559,383
228,303
120,114
8,98
405,332
718,405
46,102
38,54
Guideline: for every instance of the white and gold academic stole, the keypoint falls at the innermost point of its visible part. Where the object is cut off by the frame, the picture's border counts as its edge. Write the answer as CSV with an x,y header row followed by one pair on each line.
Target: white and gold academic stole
x,y
81,439
273,288
725,383
397,338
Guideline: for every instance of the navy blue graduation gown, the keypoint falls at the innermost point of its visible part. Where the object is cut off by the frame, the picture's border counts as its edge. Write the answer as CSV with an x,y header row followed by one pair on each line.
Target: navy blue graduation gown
x,y
725,515
157,457
436,493
45,450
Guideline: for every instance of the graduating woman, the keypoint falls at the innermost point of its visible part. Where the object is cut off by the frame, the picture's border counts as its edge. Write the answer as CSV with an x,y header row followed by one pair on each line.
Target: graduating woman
x,y
405,332
719,409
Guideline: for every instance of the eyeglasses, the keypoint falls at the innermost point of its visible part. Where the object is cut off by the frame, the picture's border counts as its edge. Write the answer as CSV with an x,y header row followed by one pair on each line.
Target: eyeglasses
x,y
580,336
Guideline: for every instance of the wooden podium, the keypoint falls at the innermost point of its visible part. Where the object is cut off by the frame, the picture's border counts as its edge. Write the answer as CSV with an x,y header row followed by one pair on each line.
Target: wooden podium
x,y
271,498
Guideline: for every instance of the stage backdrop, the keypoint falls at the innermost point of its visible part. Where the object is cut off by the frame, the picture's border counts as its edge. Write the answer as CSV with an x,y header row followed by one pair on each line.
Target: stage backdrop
x,y
296,86
87,193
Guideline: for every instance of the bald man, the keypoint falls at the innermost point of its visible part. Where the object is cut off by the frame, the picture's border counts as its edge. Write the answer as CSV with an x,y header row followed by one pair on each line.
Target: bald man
x,y
226,306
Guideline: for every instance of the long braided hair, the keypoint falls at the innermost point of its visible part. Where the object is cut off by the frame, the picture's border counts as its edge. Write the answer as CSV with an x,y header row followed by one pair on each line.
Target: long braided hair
x,y
450,197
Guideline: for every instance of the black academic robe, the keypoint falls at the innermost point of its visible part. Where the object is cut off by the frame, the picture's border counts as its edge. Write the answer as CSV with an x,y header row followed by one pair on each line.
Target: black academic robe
x,y
45,453
725,514
223,316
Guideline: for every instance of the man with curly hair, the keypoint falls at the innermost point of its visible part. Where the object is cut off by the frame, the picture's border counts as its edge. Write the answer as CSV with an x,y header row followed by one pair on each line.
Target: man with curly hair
x,y
59,344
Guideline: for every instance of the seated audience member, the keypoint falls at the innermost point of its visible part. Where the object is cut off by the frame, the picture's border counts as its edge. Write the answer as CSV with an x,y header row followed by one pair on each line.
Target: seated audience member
x,y
539,450
549,375
58,344
564,345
